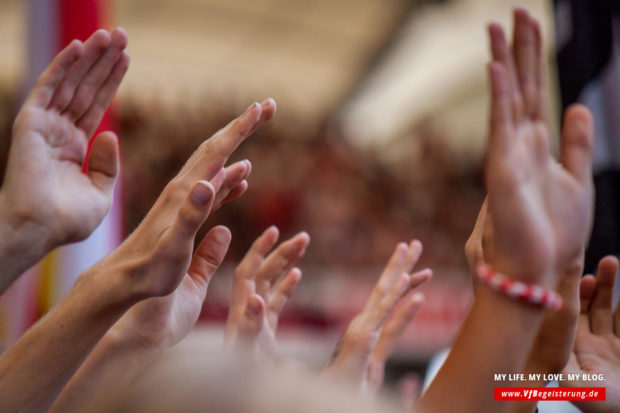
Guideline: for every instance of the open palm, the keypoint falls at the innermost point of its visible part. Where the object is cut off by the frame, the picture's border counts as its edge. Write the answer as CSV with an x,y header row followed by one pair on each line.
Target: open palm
x,y
50,140
596,350
540,209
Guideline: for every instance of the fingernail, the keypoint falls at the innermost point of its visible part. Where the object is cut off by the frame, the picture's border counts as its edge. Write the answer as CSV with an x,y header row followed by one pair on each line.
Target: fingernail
x,y
222,237
253,308
201,195
416,244
252,106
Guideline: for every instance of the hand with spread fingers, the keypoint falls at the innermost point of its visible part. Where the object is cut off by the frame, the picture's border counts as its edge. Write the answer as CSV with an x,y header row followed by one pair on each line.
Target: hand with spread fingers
x,y
156,260
147,330
540,210
370,338
61,203
539,215
596,350
262,284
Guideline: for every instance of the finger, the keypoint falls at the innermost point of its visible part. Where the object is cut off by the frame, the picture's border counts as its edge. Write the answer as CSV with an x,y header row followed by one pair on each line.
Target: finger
x,y
93,48
420,277
501,54
214,152
377,312
191,215
251,323
413,255
268,110
283,292
102,162
473,246
390,274
235,174
251,262
396,325
236,192
218,181
45,86
541,84
525,57
601,316
501,119
89,85
280,261
208,256
587,287
91,119
243,280
577,142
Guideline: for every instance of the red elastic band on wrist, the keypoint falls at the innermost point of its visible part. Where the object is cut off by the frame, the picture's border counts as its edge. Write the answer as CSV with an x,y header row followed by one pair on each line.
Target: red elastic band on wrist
x,y
517,290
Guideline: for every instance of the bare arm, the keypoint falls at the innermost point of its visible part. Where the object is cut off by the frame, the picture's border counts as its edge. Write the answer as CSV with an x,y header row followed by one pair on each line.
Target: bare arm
x,y
46,199
540,212
152,262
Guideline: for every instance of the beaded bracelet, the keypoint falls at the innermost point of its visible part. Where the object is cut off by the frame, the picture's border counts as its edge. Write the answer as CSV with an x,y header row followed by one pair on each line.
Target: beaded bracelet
x,y
517,290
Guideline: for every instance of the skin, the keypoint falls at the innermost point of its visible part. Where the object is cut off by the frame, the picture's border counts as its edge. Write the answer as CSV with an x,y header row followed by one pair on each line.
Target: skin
x,y
152,326
596,349
61,203
262,284
264,281
540,214
155,261
371,337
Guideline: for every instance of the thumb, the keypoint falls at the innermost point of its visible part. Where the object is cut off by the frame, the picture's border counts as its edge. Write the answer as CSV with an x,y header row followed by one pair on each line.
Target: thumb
x,y
102,161
577,142
209,255
192,213
253,318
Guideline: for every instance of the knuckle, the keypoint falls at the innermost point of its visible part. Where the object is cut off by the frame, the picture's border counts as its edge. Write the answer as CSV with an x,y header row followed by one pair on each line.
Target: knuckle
x,y
80,103
210,259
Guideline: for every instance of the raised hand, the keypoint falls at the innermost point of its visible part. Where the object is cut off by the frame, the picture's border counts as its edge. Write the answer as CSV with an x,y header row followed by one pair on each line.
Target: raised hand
x,y
157,255
261,287
370,338
553,343
539,218
540,210
46,198
152,262
161,322
596,350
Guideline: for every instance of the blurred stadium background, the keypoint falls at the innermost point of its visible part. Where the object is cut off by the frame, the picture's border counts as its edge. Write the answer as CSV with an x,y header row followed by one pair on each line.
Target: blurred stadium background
x,y
378,139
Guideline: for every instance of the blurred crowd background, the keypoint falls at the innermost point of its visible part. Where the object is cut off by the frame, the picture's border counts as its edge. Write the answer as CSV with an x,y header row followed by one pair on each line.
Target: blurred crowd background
x,y
378,138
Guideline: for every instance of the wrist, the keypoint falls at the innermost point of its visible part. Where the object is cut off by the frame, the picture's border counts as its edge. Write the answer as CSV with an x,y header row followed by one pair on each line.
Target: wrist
x,y
514,289
20,236
129,347
107,285
544,276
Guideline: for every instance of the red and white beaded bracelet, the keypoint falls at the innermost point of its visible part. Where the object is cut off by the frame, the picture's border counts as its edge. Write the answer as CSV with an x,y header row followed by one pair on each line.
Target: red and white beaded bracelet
x,y
517,290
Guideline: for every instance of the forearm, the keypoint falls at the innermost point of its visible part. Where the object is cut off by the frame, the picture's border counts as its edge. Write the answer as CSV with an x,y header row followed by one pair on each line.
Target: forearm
x,y
111,366
495,338
22,244
527,406
36,368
